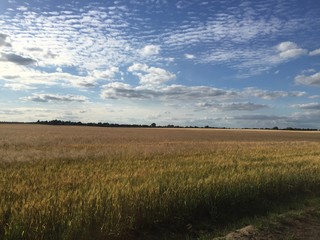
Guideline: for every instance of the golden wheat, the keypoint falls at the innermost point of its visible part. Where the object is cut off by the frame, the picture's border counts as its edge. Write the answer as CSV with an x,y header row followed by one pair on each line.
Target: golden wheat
x,y
105,183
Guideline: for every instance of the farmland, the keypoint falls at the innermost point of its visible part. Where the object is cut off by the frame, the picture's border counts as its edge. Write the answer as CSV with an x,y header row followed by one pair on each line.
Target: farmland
x,y
68,182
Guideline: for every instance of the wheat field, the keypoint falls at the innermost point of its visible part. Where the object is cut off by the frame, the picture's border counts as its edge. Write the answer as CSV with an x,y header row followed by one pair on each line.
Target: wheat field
x,y
68,182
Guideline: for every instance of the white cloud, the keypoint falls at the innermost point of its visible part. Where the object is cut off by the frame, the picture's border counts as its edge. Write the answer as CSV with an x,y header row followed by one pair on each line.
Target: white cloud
x,y
252,61
312,80
293,53
18,86
108,74
289,50
150,50
310,70
309,106
22,8
285,46
151,76
224,27
14,74
314,96
189,56
315,52
83,45
138,67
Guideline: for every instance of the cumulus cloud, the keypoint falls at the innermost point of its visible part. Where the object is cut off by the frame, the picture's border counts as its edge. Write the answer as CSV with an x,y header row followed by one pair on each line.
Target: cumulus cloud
x,y
138,67
150,76
289,50
54,98
309,106
312,80
17,59
150,50
108,74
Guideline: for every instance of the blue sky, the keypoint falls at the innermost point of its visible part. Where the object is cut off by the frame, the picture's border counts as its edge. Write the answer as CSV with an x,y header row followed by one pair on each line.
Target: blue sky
x,y
224,63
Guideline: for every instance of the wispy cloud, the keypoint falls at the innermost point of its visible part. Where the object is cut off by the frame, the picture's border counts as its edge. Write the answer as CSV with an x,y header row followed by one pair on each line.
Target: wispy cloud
x,y
9,112
16,75
315,52
314,96
18,86
99,37
309,106
259,117
54,98
264,94
235,106
118,90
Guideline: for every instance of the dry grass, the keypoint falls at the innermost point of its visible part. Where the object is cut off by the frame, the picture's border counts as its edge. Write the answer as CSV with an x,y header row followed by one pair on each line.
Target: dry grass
x,y
108,183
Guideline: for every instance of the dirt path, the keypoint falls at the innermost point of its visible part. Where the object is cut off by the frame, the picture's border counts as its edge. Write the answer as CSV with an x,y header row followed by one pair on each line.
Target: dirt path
x,y
304,227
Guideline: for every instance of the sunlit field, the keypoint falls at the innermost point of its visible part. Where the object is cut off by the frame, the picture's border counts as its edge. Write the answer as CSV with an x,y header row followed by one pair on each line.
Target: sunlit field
x,y
67,182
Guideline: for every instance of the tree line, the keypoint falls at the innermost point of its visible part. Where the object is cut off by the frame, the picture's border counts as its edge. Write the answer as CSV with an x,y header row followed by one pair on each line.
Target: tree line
x,y
152,125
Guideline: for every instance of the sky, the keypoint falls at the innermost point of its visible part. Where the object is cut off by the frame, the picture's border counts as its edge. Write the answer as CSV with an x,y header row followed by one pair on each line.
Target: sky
x,y
221,63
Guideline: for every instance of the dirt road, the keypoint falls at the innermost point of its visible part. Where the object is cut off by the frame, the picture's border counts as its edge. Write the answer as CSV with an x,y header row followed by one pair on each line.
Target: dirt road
x,y
305,227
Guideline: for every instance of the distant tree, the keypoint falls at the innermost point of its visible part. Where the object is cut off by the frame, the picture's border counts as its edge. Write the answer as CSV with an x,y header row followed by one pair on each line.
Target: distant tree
x,y
153,125
275,128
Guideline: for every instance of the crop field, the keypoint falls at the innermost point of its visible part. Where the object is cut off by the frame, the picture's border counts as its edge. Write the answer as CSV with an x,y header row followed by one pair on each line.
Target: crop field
x,y
68,182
